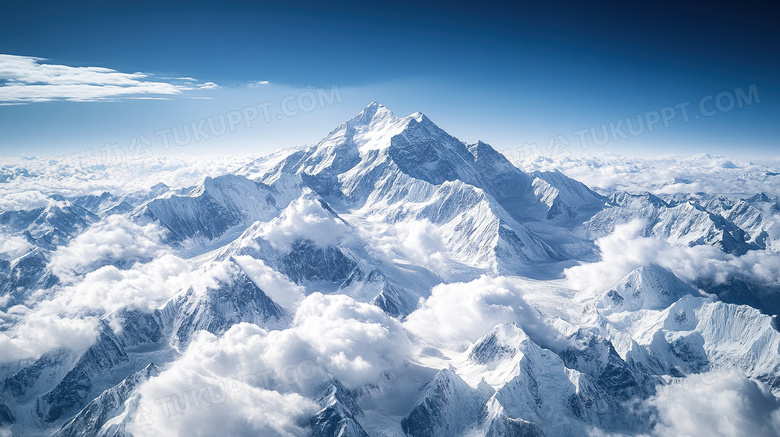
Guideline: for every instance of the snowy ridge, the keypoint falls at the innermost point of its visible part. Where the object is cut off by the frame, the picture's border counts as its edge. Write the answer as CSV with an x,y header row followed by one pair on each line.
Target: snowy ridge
x,y
573,200
695,335
233,300
212,208
686,224
95,418
24,275
49,226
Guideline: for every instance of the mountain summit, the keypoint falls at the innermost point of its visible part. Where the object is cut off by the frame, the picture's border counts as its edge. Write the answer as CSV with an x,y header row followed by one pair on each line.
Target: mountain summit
x,y
409,169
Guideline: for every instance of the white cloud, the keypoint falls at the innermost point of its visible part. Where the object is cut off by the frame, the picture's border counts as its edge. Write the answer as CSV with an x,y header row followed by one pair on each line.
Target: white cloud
x,y
358,338
143,287
92,287
115,240
271,375
467,310
735,406
30,181
625,249
67,317
40,332
12,247
304,218
417,240
621,251
28,79
352,341
32,199
227,403
669,175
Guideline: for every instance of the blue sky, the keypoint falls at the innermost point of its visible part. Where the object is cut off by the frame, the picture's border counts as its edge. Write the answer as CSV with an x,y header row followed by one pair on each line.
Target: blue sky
x,y
530,77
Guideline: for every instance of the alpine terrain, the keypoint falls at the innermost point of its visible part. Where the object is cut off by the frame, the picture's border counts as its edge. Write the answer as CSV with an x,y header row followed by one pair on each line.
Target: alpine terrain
x,y
390,280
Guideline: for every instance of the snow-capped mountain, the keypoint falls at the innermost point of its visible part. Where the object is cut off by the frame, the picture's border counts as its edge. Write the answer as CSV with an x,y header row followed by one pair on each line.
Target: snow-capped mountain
x,y
49,226
408,168
338,414
389,280
233,300
24,275
98,417
648,287
103,204
687,224
212,208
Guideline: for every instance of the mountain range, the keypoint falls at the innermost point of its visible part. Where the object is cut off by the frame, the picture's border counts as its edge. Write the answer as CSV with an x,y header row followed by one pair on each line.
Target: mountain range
x,y
389,280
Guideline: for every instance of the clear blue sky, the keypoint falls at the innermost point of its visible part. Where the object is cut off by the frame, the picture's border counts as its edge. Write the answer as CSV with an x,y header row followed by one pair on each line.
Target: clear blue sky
x,y
512,75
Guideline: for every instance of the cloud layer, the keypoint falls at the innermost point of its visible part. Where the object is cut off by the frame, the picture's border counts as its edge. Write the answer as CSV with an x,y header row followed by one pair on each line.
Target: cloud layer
x,y
305,218
28,182
251,381
668,175
468,310
728,407
626,249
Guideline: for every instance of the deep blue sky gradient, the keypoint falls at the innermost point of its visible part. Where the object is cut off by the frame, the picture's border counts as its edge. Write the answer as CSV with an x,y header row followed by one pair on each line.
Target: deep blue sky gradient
x,y
509,74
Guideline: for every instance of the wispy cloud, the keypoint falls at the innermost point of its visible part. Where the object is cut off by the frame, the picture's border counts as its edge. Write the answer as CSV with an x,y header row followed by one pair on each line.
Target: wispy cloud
x,y
26,79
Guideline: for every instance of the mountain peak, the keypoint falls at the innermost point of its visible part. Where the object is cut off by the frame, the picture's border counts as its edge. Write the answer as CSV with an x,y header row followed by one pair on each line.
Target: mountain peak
x,y
373,112
374,105
647,287
759,198
503,340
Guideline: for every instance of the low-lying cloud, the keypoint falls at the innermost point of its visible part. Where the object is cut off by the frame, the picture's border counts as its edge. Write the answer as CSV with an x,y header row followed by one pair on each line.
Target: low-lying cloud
x,y
116,240
732,407
305,218
468,310
626,249
278,371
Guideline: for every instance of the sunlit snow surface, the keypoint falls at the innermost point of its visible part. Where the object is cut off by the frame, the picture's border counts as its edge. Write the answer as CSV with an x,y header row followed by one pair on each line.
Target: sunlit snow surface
x,y
390,280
